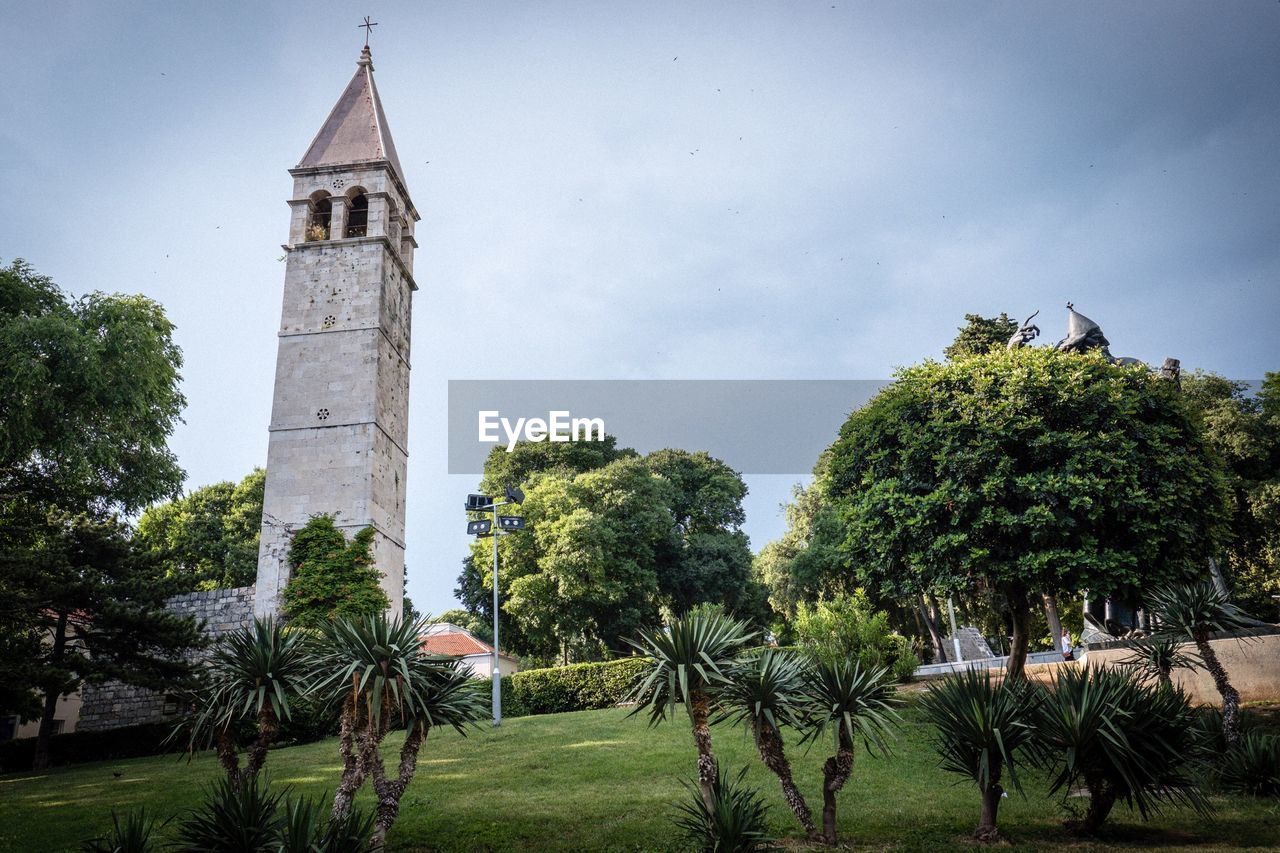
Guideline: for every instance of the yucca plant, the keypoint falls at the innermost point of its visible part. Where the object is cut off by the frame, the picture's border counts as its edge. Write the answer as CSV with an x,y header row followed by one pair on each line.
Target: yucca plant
x,y
133,833
984,728
374,667
253,674
853,704
1252,766
1158,657
736,820
767,691
304,827
236,817
1196,611
686,660
1121,739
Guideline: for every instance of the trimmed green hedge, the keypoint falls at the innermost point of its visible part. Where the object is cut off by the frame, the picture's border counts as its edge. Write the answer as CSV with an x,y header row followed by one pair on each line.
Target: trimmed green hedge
x,y
79,747
577,687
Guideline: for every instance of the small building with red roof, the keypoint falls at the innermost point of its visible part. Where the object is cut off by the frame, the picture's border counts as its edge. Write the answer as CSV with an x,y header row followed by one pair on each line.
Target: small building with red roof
x,y
449,640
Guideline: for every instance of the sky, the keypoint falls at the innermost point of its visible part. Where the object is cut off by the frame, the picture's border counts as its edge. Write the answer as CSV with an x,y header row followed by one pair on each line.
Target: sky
x,y
645,190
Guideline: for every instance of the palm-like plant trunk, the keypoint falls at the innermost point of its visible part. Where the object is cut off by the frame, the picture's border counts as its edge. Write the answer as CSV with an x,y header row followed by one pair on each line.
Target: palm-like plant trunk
x,y
1230,696
835,772
225,745
348,749
988,827
700,713
769,743
390,791
268,728
1102,797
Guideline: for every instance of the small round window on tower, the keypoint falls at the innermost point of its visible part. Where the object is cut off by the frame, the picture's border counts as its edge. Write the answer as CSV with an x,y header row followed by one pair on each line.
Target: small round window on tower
x,y
322,414
329,321
339,183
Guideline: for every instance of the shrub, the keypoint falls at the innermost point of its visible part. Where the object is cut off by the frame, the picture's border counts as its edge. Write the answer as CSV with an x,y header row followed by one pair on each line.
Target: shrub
x,y
306,827
736,819
577,687
982,728
1252,766
1122,740
79,747
847,627
135,833
240,817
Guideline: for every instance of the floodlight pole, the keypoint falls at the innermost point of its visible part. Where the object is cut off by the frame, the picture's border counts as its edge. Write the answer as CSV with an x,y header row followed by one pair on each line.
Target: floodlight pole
x,y
497,664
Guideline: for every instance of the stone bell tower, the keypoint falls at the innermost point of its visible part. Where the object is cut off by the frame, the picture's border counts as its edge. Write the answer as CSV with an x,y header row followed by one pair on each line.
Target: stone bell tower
x,y
339,420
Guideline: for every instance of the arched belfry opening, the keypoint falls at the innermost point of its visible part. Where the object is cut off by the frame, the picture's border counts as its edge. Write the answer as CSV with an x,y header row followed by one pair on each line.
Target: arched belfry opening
x,y
357,215
319,217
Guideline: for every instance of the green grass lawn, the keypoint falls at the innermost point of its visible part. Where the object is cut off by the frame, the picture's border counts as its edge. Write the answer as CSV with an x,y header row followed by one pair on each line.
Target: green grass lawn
x,y
600,780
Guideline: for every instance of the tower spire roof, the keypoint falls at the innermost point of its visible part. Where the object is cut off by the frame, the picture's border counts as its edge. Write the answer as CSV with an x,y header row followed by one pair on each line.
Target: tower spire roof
x,y
356,129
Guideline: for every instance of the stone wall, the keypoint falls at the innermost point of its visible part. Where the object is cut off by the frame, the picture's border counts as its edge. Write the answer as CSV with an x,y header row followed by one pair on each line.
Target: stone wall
x,y
973,646
1251,659
113,705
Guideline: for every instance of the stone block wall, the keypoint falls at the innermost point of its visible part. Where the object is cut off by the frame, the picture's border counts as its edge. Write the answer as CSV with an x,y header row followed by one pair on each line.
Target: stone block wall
x,y
1251,659
972,644
114,705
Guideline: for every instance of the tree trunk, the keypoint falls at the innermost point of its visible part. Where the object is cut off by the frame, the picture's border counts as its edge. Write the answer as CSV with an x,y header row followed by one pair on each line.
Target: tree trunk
x,y
1051,616
835,772
1230,696
351,778
699,711
769,742
267,729
1102,797
40,761
1020,610
935,636
988,827
390,791
225,746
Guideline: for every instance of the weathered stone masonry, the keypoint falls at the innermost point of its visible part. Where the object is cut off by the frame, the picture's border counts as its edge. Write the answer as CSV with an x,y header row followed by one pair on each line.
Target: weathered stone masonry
x,y
339,421
113,705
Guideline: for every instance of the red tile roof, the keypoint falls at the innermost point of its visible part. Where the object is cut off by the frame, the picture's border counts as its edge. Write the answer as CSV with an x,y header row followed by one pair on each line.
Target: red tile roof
x,y
455,644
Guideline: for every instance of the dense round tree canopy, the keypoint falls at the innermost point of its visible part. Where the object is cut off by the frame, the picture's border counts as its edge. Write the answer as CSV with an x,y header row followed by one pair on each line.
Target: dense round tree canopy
x,y
1029,470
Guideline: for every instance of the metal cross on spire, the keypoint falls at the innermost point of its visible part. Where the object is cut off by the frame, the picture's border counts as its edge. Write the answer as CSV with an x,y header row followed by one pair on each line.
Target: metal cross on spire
x,y
368,28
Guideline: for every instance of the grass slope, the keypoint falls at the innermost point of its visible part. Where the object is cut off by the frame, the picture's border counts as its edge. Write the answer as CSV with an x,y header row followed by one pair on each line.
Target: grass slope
x,y
598,780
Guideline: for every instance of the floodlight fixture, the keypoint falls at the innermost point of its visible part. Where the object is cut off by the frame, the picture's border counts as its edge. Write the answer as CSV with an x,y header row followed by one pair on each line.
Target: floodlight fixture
x,y
479,528
479,503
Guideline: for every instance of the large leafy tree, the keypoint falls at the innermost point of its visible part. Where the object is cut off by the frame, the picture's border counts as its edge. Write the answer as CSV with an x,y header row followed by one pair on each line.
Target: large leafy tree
x,y
805,564
89,391
613,539
1032,470
597,540
96,604
208,539
1244,429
